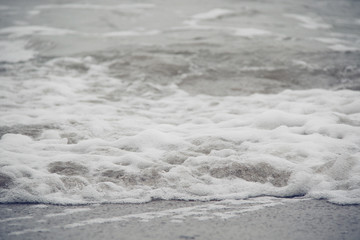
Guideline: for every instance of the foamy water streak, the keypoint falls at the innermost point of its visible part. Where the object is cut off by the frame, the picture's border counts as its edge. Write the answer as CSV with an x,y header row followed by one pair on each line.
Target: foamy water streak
x,y
73,140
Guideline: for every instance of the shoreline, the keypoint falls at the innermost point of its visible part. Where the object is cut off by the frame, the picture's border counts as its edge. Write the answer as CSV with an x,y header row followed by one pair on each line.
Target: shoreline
x,y
257,218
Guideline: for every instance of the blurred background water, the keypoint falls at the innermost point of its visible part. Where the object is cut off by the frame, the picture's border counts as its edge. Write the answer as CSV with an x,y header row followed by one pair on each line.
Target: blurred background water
x,y
212,47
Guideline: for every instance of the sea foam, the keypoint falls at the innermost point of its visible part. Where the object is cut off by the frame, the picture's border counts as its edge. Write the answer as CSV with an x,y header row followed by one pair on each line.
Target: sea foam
x,y
70,142
15,51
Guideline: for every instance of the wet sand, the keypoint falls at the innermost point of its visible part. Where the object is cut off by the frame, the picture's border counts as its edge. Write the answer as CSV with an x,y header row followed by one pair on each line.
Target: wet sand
x,y
260,218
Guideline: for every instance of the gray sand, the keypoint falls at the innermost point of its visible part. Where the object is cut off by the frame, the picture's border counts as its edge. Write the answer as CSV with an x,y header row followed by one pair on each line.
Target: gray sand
x,y
261,218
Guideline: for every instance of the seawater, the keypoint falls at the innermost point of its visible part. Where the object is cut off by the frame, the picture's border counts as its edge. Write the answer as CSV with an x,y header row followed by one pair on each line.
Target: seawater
x,y
122,102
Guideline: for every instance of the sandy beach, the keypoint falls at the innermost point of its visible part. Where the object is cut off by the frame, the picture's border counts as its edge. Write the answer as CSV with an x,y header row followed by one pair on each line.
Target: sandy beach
x,y
259,218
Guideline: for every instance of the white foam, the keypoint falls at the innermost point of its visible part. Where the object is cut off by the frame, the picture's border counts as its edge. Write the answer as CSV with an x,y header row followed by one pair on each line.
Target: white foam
x,y
26,231
308,22
172,146
22,31
40,206
130,33
240,32
193,24
15,51
67,212
339,45
343,48
134,7
330,40
222,210
213,14
250,32
15,219
97,7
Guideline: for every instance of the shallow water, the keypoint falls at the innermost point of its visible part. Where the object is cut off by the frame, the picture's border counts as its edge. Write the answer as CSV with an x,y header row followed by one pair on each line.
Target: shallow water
x,y
257,218
128,102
